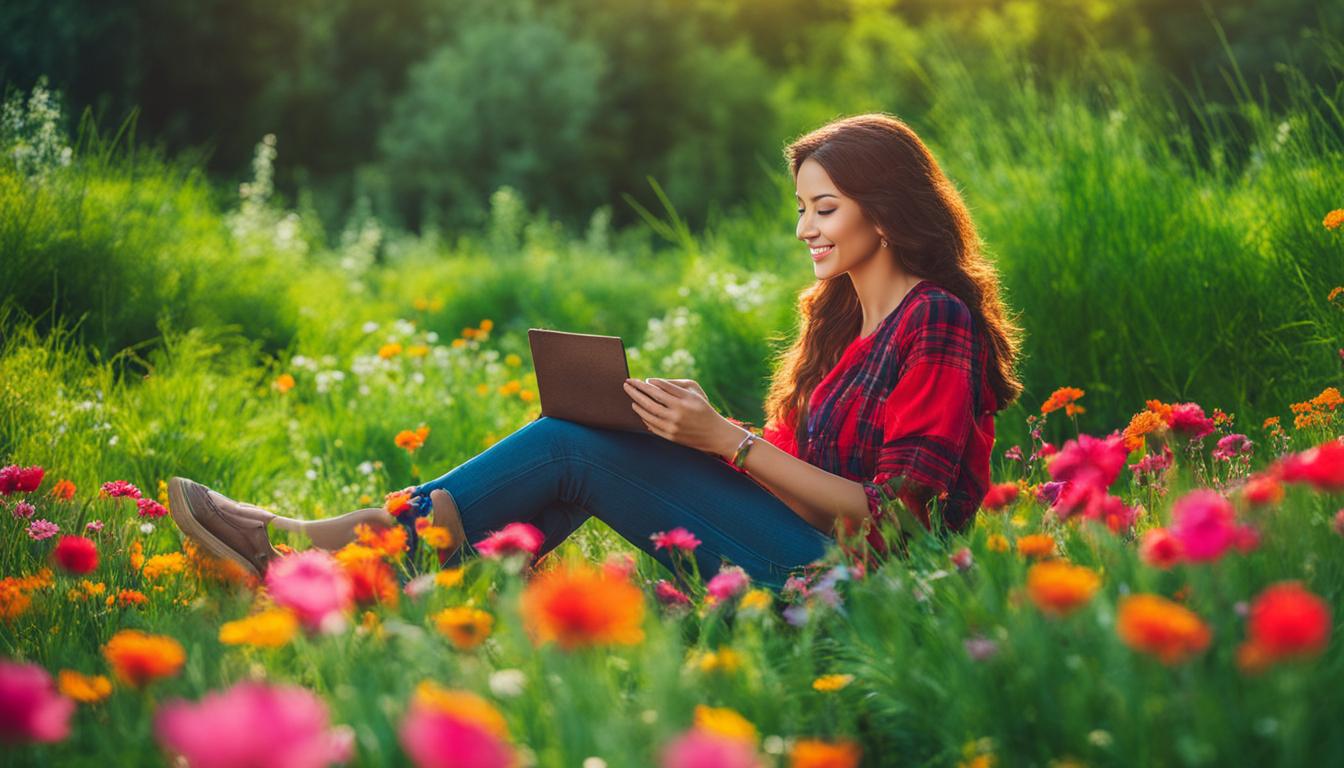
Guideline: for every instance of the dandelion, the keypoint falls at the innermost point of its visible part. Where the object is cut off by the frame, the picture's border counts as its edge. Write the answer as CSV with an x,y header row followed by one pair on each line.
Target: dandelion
x,y
579,606
466,627
756,601
16,479
512,539
1333,219
138,658
724,660
1066,398
63,490
31,709
1153,624
313,585
254,724
1287,621
1036,545
678,539
76,554
1059,588
119,488
813,753
411,440
86,689
42,529
831,683
272,628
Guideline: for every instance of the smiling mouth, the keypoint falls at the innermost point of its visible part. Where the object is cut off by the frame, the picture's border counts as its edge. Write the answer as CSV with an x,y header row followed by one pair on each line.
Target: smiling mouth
x,y
818,255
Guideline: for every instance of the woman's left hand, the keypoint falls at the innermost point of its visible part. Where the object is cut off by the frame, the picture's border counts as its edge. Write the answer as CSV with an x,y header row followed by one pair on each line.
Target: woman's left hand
x,y
679,414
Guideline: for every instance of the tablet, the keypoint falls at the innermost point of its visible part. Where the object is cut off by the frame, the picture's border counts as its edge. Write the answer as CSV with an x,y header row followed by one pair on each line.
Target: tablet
x,y
581,377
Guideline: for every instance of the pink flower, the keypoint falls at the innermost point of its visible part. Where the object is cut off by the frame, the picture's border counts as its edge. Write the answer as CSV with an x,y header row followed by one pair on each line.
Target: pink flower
x,y
312,584
1321,467
1188,419
1094,503
962,558
727,583
30,707
23,510
677,538
1246,538
669,595
1231,446
1013,454
42,529
512,539
1000,495
1048,493
1154,463
150,508
1203,522
1090,461
1339,522
16,479
115,488
619,565
700,748
94,525
1159,548
436,739
253,724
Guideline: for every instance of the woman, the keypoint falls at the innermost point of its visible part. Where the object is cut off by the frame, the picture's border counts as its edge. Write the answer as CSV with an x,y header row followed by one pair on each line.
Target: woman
x,y
904,355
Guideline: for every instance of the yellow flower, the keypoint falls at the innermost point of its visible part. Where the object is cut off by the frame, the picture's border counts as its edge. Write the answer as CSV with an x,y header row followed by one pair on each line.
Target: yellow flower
x,y
459,343
724,721
979,761
724,660
137,556
467,627
482,389
512,360
417,350
755,600
269,629
448,577
86,689
1334,219
437,537
997,543
831,683
388,351
463,705
283,383
164,565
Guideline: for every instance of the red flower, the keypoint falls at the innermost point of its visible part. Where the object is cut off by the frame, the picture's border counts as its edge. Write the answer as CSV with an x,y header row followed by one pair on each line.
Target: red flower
x,y
115,488
76,554
1322,467
16,479
512,539
1090,461
677,538
1000,495
150,508
668,594
1287,620
1160,549
1261,489
1189,420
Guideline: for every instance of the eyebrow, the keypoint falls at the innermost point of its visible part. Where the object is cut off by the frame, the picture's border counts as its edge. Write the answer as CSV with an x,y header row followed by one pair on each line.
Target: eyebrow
x,y
815,198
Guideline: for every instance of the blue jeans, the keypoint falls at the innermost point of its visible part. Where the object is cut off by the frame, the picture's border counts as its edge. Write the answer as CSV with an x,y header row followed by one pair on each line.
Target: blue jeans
x,y
555,473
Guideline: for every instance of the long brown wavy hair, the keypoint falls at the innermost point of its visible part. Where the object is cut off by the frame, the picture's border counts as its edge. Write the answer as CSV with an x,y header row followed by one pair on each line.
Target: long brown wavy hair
x,y
877,160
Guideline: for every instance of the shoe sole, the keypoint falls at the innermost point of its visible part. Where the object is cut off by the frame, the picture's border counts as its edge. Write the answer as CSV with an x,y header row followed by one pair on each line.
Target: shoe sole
x,y
179,507
451,518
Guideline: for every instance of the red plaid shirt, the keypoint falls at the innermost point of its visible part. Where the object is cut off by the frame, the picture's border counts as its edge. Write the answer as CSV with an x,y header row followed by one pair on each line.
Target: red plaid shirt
x,y
911,400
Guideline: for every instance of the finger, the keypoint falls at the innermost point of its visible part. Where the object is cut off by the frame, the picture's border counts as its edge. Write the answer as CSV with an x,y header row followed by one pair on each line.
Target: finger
x,y
643,394
655,424
668,387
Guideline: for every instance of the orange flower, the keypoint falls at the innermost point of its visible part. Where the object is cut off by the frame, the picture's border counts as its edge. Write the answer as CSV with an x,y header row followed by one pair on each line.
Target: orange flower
x,y
138,658
582,606
1156,625
137,555
283,383
467,627
397,502
1038,545
164,565
389,541
271,628
1334,219
389,350
436,536
1066,398
86,689
127,598
372,577
1160,408
811,753
412,439
487,324
1058,587
1142,424
63,489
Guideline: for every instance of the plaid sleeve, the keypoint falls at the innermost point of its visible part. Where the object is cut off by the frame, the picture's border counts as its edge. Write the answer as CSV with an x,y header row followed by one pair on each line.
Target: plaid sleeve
x,y
927,416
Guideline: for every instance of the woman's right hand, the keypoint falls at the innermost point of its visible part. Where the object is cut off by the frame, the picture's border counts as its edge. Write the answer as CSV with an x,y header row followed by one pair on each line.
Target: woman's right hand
x,y
691,385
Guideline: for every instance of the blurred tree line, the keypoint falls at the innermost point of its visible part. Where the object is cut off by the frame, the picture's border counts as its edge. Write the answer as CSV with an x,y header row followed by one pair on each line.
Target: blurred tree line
x,y
420,109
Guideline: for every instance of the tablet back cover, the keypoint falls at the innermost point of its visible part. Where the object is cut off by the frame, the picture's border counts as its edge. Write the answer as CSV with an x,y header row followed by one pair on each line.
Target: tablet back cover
x,y
581,378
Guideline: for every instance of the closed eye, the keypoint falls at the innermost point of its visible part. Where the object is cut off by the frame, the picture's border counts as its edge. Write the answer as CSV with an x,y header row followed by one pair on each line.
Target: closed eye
x,y
823,213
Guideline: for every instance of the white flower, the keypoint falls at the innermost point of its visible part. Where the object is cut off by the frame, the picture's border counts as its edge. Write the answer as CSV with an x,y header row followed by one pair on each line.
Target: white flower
x,y
370,327
594,762
311,474
432,337
365,467
146,528
508,683
112,440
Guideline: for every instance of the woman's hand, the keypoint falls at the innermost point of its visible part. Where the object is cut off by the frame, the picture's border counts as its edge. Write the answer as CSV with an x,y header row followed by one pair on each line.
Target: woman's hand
x,y
682,414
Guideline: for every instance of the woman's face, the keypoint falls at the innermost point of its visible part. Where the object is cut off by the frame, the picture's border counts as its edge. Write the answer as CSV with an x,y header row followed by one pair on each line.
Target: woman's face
x,y
838,234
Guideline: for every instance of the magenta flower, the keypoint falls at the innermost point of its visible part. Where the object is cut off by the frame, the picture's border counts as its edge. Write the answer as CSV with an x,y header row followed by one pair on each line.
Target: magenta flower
x,y
669,595
1188,419
313,585
1153,464
1203,522
729,582
253,724
23,510
1339,522
1090,461
30,707
619,565
1322,467
42,529
699,748
1013,454
1049,492
16,479
115,488
677,538
1231,446
94,526
512,539
150,508
435,739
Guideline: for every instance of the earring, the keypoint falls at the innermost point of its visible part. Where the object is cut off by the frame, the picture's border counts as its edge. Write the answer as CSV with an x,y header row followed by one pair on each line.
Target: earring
x,y
884,242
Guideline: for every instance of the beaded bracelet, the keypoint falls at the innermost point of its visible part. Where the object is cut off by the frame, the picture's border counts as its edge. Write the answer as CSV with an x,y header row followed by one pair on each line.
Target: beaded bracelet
x,y
741,456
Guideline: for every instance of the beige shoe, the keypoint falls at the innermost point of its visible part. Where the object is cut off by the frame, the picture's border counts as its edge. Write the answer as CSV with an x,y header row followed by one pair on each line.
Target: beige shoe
x,y
445,515
224,527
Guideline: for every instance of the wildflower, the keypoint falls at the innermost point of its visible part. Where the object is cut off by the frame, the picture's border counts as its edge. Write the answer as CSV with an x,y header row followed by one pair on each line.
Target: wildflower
x,y
371,578
619,565
150,508
724,721
76,554
1338,523
312,584
1152,624
831,683
388,541
388,351
94,526
271,628
724,660
1322,467
1038,545
962,558
1231,446
811,753
31,710
677,538
728,583
1261,489
23,510
1089,461
16,479
1188,419
1203,523
136,555
1000,495
1048,493
1152,465
1066,398
1142,424
118,488
410,440
448,577
454,729
254,724
512,539
512,360
508,683
1059,588
980,648
42,529
578,606
1014,454
436,536
1159,548
138,658
466,627
1288,621
699,748
169,564
997,543
86,689
669,595
127,598
396,503
1333,219
417,350
63,490
283,383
